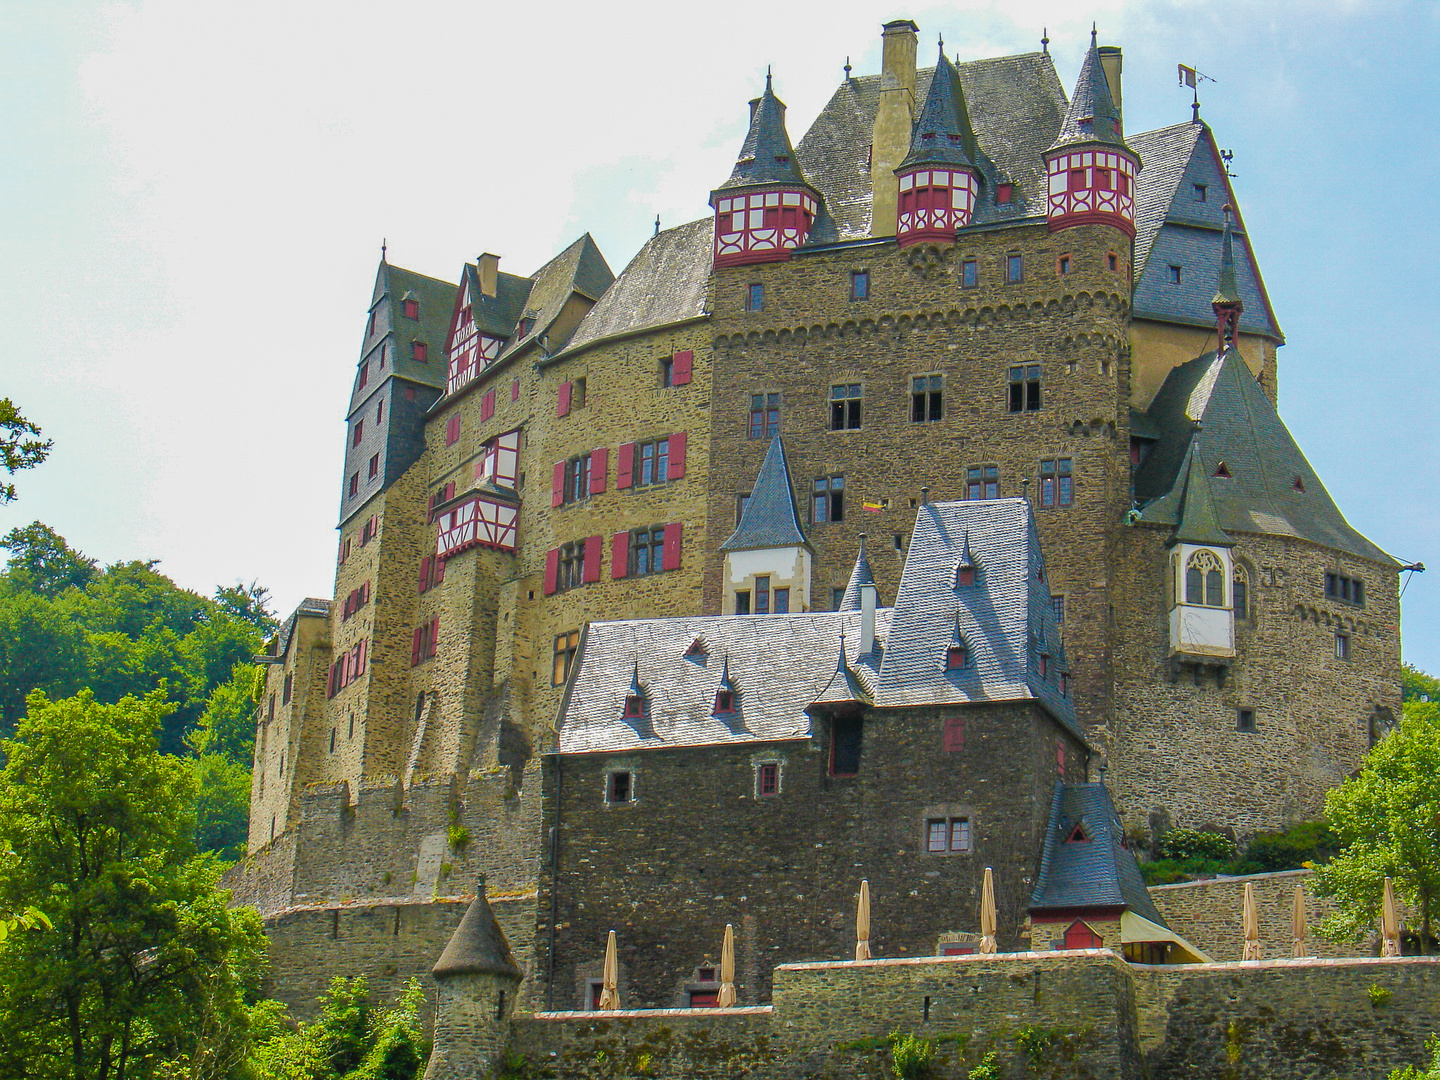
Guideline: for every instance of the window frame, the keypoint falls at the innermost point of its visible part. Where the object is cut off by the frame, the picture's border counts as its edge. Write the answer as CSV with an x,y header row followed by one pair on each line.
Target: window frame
x,y
982,481
563,658
1014,268
1245,721
659,461
927,400
827,497
859,285
855,734
618,792
1056,482
755,296
948,829
772,767
1024,389
764,415
847,407
649,540
570,566
970,273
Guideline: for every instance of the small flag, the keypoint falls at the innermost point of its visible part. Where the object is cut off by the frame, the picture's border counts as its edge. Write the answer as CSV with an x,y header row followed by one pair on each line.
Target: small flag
x,y
1187,76
874,507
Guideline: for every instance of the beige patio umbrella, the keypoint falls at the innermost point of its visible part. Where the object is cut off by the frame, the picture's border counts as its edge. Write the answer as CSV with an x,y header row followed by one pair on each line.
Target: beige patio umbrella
x,y
727,969
609,995
1251,920
1389,922
862,923
1298,928
987,914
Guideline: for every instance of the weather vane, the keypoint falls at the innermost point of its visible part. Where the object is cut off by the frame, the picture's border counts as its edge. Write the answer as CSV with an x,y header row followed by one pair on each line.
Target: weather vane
x,y
1192,78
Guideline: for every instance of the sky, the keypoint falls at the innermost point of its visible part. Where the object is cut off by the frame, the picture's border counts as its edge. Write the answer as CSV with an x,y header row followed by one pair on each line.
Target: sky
x,y
193,196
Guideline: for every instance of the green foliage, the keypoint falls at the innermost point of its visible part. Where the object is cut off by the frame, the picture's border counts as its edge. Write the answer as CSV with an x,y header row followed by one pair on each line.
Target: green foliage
x,y
20,445
248,603
1430,1072
1181,844
227,725
350,1040
1307,842
1420,687
1035,1043
1385,819
459,837
147,963
986,1070
222,805
1378,995
42,562
911,1057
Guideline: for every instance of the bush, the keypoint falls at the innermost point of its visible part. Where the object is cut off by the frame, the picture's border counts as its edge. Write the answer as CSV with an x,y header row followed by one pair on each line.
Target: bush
x,y
1185,844
911,1056
1307,842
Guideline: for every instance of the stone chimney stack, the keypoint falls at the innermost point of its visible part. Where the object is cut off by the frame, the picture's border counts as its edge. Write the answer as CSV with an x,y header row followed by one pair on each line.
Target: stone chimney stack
x,y
867,619
890,141
1112,62
489,267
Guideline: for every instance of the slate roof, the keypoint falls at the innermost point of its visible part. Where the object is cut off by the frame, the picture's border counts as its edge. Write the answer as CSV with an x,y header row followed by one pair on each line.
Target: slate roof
x,y
1092,116
436,298
846,686
942,134
769,519
1198,522
859,575
766,156
580,268
1100,872
1173,228
1227,291
1239,426
1006,617
478,946
496,314
665,283
311,606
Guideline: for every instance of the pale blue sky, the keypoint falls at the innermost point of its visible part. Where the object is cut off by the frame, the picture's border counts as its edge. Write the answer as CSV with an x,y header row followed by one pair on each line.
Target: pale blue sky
x,y
193,193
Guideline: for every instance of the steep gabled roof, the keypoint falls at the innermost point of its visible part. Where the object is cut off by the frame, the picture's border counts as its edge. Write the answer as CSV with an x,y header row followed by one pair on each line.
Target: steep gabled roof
x,y
1098,872
498,314
942,134
845,687
769,519
1092,116
1198,522
1239,426
478,946
436,299
766,156
581,269
860,575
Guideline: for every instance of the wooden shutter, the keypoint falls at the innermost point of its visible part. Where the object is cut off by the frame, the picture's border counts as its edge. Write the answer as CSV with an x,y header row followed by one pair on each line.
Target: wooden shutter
x,y
671,553
619,555
487,405
514,389
680,370
360,656
415,645
424,573
557,484
599,466
624,465
450,491
552,570
434,634
594,548
677,455
438,571
562,405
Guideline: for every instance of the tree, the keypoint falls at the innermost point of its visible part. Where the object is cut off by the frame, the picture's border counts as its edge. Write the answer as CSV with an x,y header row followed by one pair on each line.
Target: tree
x,y
40,649
1387,821
20,445
250,604
349,1040
42,562
146,963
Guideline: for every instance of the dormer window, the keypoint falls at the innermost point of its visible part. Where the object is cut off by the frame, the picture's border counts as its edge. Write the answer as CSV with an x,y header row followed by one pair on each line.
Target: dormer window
x,y
697,651
523,330
1044,665
419,352
411,308
1078,835
724,702
634,707
957,657
1004,193
1299,485
1222,470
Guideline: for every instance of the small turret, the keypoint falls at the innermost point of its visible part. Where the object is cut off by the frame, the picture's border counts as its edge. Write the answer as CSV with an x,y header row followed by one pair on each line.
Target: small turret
x,y
767,556
1226,302
1091,169
477,980
939,182
765,210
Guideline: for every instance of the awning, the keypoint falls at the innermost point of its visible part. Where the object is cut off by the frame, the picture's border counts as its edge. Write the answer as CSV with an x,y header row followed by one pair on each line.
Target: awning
x,y
1136,928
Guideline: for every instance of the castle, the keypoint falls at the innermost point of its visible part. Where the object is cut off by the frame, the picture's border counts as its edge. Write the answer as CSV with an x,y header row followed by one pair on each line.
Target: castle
x,y
869,520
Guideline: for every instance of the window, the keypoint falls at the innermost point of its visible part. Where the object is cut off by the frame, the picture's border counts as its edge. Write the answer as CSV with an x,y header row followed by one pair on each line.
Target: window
x,y
667,371
837,597
374,466
371,329
845,404
1174,274
364,373
646,551
762,596
654,462
957,657
764,415
358,434
577,393
523,328
1200,193
577,479
411,309
1240,593
380,412
1345,589
828,502
287,689
969,273
742,601
634,708
845,742
1112,262
724,703
418,351
860,285
1024,388
946,835
1204,580
927,398
452,430
1057,605
424,641
571,565
782,601
1014,269
1062,265
982,482
1244,719
1342,646
767,779
618,788
953,735
1056,485
354,483
1004,193
755,297
566,645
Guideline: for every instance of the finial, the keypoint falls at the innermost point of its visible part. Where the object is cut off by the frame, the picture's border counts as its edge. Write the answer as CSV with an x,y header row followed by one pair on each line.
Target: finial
x,y
657,224
767,78
383,248
1227,210
1025,488
1045,40
1093,32
942,46
847,69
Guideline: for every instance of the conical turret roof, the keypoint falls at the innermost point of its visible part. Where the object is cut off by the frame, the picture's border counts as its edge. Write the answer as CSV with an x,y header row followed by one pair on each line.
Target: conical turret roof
x,y
1198,521
478,946
942,134
1227,293
766,156
769,519
860,575
1092,116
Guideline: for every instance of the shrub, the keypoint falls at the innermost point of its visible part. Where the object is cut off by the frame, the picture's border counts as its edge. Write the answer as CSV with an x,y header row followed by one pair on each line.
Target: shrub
x,y
911,1056
459,837
1307,842
1183,844
986,1070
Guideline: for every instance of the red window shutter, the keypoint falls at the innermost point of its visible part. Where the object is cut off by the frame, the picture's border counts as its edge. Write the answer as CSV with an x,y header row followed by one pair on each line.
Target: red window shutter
x,y
487,405
680,372
434,635
362,648
624,465
562,406
671,556
424,573
514,389
677,455
439,571
552,570
415,645
452,430
619,555
557,484
593,548
599,466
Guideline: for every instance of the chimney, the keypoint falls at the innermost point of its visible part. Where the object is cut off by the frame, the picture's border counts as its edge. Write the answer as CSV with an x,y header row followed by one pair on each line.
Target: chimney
x,y
867,619
1112,61
890,139
489,267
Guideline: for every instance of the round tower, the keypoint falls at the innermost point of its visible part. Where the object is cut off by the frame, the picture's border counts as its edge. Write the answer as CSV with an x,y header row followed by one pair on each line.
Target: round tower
x,y
939,182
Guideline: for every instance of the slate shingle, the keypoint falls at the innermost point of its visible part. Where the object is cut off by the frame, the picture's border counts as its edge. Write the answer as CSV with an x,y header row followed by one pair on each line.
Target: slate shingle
x,y
769,519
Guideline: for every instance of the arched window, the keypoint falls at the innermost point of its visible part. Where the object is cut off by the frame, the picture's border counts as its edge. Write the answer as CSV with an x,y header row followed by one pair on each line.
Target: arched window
x,y
1204,580
1240,592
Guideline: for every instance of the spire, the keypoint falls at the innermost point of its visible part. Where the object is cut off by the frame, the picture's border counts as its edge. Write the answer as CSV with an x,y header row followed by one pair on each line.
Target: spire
x,y
967,560
1198,521
769,519
766,157
1092,116
845,686
942,134
1226,302
860,575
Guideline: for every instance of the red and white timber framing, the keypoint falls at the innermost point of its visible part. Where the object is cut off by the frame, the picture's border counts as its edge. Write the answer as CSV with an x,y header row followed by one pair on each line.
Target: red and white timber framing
x,y
1092,186
762,226
934,203
470,352
482,519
